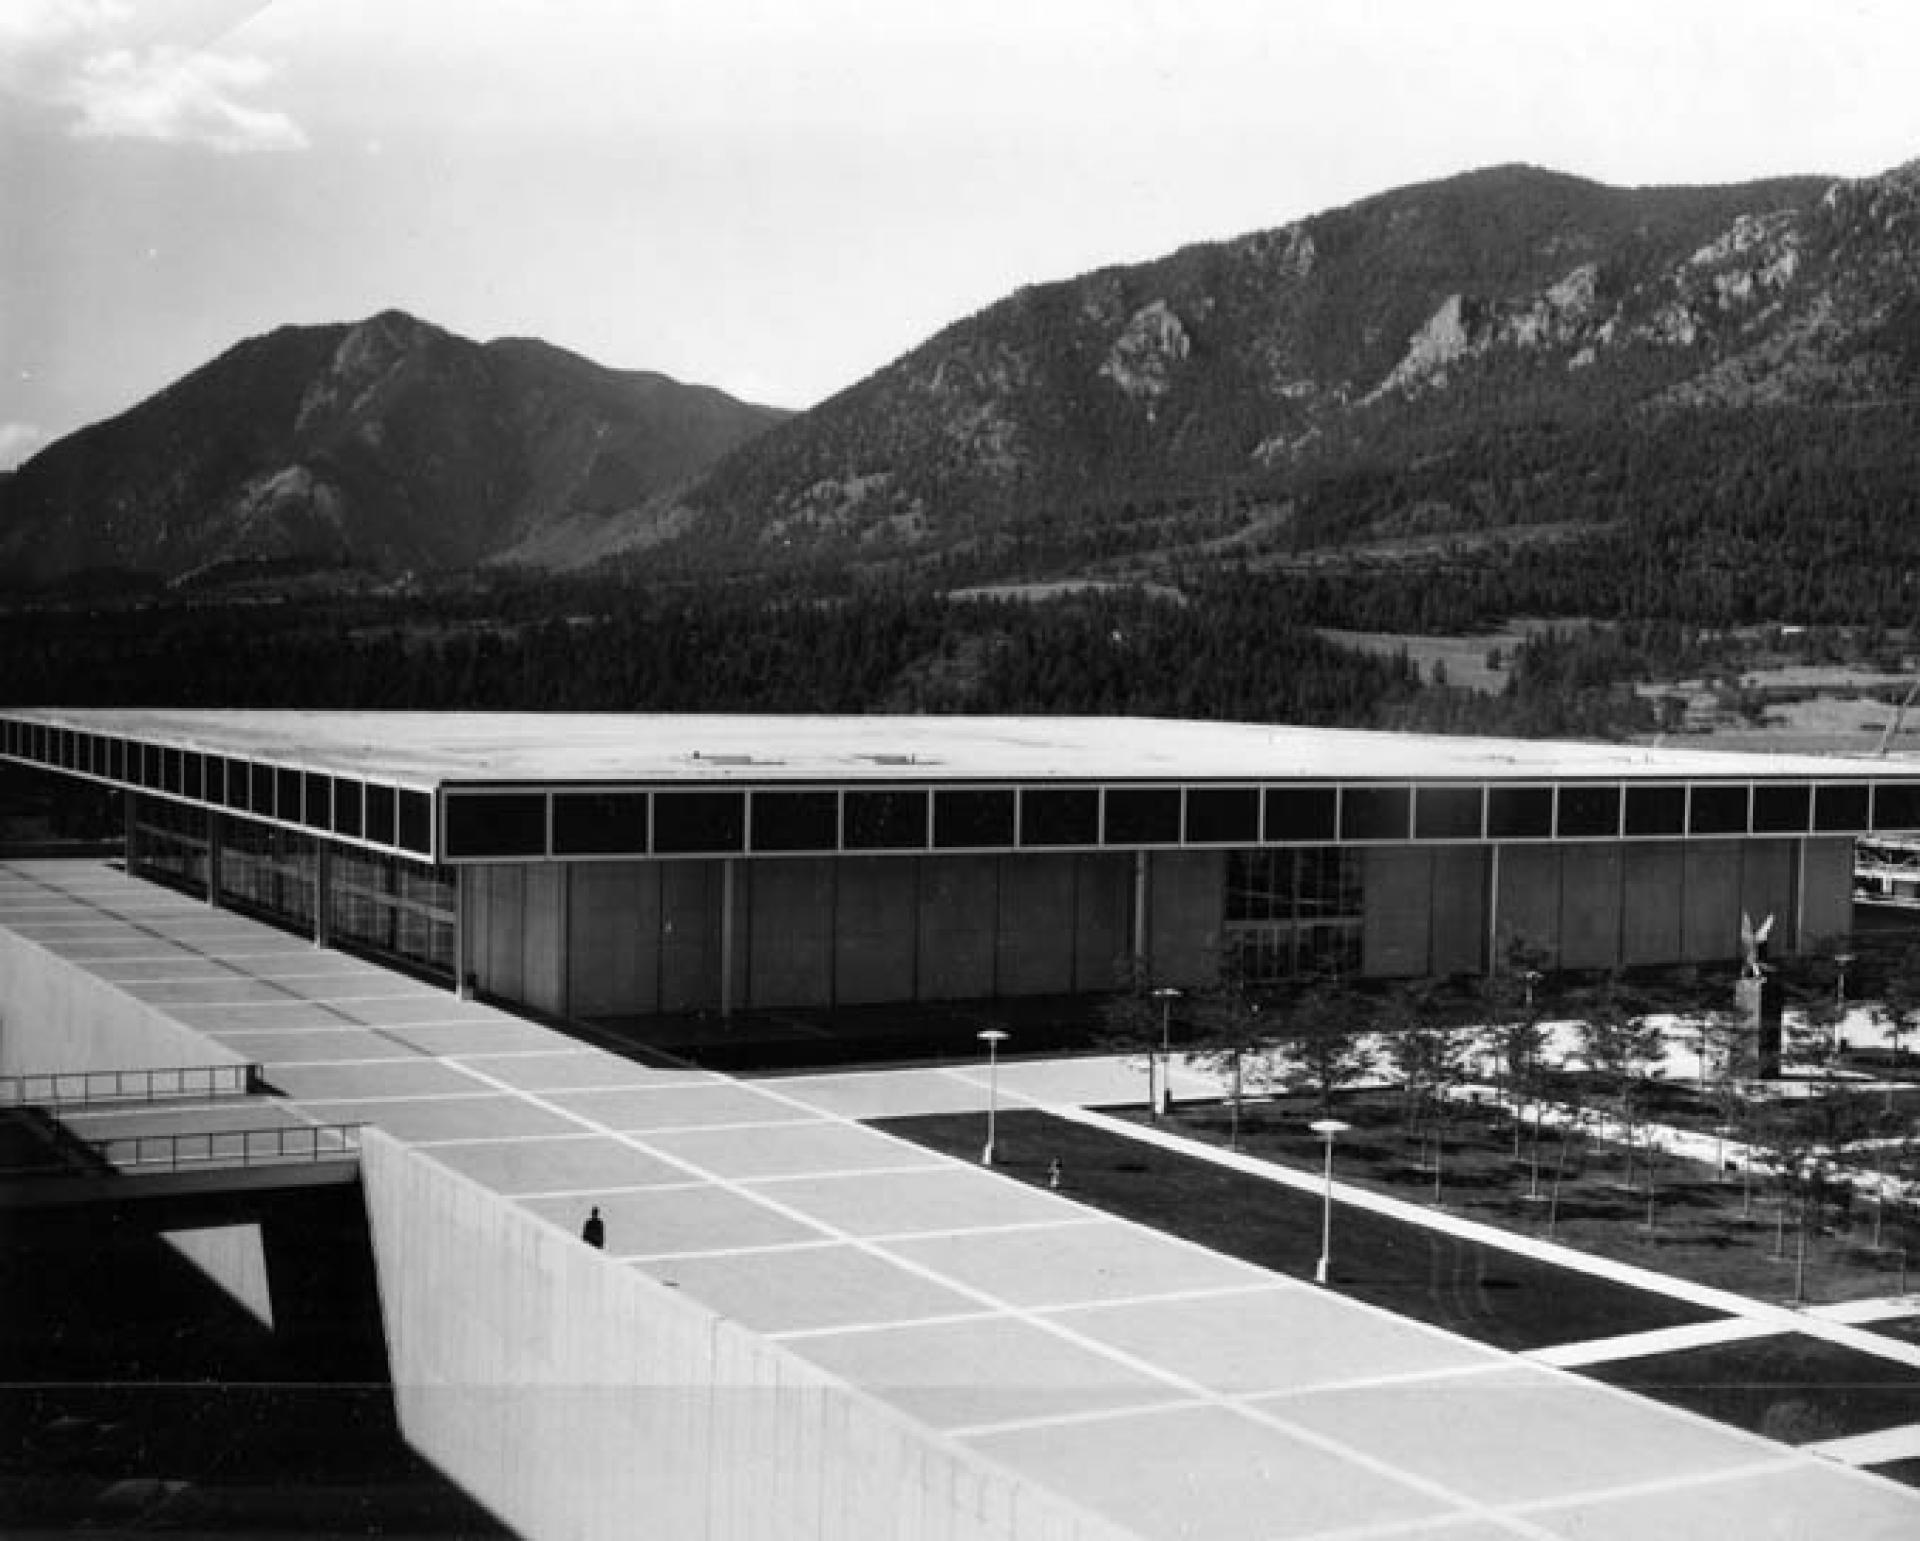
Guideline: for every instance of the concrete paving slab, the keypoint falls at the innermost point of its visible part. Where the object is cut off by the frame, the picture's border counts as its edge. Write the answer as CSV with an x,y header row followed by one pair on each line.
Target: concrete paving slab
x,y
658,1222
453,1034
223,988
369,985
576,1069
307,1045
128,1121
424,1120
155,969
679,1105
805,1289
880,1093
1274,1336
1101,1260
940,1198
1519,1436
398,1010
984,1371
794,1150
258,1016
382,1078
1784,1500
1229,1478
578,1163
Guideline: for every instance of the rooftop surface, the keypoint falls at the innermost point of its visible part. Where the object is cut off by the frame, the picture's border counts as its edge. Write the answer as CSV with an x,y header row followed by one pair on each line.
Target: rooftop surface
x,y
434,748
1174,1390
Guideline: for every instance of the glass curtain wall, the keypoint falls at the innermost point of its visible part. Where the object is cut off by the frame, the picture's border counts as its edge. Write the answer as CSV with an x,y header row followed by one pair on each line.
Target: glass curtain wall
x,y
1294,911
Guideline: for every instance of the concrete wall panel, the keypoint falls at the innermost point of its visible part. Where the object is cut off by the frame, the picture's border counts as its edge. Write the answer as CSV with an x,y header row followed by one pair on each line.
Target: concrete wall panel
x,y
1186,896
1710,902
576,1397
1459,900
1826,891
789,907
500,905
613,925
1527,904
1102,920
544,932
690,935
878,929
1654,878
1035,938
1590,879
1395,930
1769,885
959,920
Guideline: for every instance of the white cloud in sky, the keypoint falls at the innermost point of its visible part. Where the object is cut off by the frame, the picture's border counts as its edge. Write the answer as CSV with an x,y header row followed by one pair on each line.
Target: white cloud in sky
x,y
88,60
18,441
178,95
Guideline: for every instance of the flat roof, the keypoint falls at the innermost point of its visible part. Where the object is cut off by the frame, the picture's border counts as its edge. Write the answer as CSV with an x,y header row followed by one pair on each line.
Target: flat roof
x,y
434,749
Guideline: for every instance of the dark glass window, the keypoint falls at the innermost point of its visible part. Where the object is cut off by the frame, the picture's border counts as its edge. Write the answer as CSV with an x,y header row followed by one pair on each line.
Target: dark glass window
x,y
1059,816
239,785
1143,816
1298,814
1374,813
600,824
1781,810
497,824
1656,810
796,821
1718,810
117,758
416,821
151,775
1446,813
172,771
348,816
886,821
686,823
1840,807
262,795
216,779
287,795
1896,805
193,775
380,810
1520,813
1587,812
969,818
1223,816
319,800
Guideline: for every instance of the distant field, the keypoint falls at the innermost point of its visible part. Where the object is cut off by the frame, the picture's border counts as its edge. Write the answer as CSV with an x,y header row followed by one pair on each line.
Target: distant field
x,y
1463,659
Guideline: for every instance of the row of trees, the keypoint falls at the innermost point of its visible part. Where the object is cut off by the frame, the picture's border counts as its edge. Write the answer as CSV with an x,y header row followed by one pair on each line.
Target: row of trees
x,y
1572,1065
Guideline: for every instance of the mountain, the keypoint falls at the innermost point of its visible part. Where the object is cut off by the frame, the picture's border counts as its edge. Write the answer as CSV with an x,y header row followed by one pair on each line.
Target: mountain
x,y
1232,396
388,445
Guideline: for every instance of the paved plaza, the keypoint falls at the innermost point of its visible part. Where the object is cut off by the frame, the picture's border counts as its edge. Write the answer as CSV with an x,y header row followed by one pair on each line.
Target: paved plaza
x,y
1171,1389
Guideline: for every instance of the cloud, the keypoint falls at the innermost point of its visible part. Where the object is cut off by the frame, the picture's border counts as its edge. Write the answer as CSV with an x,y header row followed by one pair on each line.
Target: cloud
x,y
83,59
19,441
178,95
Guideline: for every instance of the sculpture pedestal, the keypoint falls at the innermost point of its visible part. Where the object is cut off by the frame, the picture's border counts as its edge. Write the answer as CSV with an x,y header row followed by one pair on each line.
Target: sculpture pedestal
x,y
1756,1044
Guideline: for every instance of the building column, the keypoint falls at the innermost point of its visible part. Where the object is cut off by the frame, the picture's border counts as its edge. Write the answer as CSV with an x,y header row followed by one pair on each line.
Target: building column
x,y
1141,899
726,937
462,961
1493,910
129,839
322,888
216,829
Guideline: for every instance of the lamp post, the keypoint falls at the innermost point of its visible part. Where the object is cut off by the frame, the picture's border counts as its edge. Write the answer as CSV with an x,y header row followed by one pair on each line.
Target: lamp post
x,y
1166,995
992,1037
1326,1128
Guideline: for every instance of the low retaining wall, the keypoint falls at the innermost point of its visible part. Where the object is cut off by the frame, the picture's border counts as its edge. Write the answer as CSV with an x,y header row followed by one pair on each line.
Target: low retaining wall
x,y
574,1396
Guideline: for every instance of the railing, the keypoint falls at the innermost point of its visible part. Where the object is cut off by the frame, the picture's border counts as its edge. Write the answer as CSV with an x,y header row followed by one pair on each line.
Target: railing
x,y
64,1088
208,1148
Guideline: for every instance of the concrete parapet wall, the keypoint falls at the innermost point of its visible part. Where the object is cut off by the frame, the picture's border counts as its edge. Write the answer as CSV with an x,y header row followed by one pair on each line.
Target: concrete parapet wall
x,y
574,1396
56,1016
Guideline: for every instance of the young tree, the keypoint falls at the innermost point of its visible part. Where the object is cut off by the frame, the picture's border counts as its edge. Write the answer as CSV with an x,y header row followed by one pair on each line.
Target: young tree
x,y
1230,1040
1130,1020
1320,1036
1622,1049
1430,1055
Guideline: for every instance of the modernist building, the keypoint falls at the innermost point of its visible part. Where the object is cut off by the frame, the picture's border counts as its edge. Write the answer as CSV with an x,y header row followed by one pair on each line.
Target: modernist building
x,y
622,865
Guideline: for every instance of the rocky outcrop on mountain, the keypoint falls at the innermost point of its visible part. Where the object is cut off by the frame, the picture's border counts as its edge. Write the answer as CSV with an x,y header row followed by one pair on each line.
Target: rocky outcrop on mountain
x,y
1371,334
387,445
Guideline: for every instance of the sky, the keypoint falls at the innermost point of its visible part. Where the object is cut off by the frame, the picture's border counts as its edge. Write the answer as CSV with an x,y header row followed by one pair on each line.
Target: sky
x,y
777,197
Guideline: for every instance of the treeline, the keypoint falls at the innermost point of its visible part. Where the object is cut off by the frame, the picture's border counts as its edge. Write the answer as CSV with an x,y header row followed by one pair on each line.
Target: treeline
x,y
1231,650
